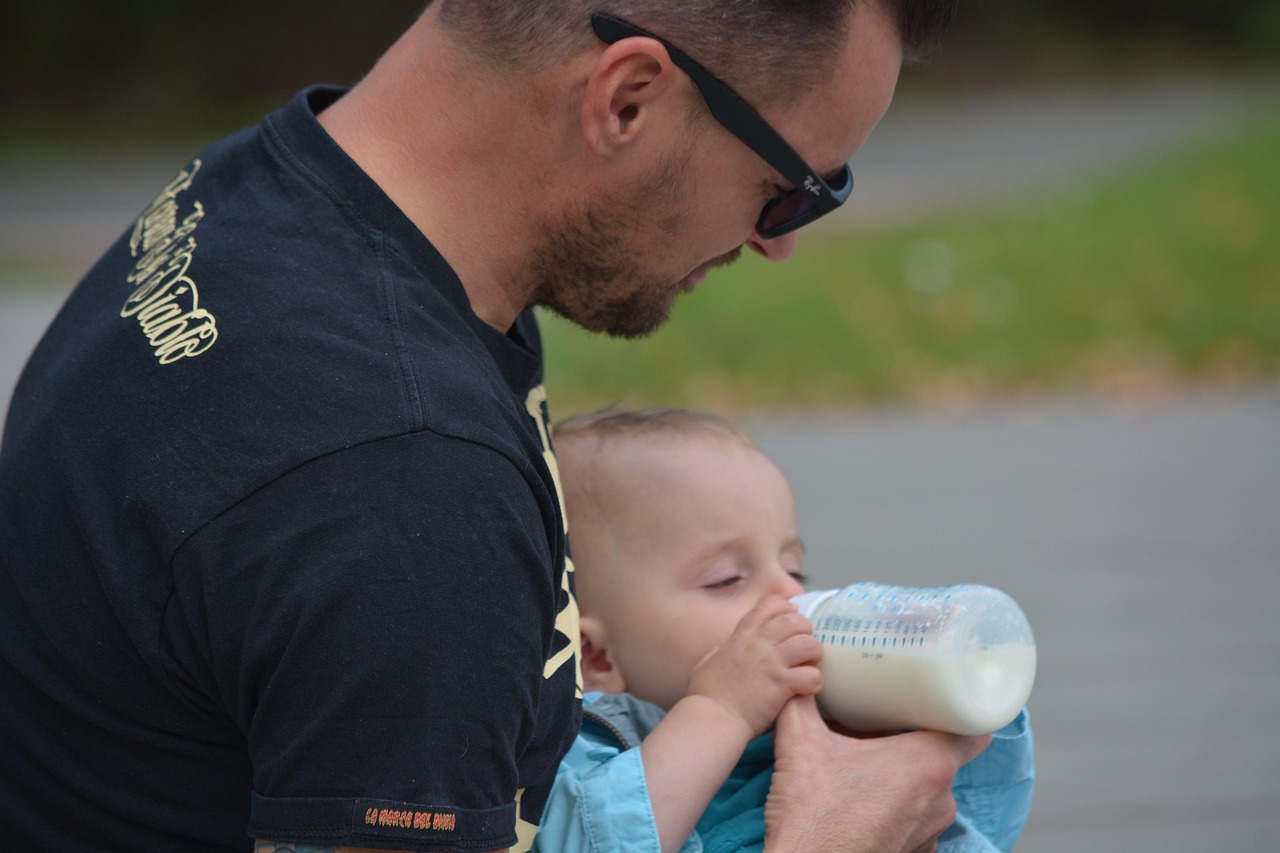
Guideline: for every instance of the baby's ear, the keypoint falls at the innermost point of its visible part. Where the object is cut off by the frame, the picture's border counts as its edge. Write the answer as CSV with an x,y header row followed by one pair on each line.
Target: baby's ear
x,y
598,670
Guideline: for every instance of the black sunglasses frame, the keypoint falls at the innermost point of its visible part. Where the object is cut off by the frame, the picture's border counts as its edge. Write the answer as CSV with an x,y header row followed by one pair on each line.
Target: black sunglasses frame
x,y
737,116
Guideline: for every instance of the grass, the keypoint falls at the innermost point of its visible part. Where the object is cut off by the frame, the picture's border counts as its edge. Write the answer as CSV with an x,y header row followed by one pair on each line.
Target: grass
x,y
1166,276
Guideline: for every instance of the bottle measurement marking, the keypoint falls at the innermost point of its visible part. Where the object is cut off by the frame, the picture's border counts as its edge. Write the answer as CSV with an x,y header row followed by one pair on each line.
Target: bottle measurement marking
x,y
865,641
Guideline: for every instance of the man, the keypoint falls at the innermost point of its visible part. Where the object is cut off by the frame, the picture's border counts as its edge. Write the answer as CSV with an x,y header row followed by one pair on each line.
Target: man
x,y
284,555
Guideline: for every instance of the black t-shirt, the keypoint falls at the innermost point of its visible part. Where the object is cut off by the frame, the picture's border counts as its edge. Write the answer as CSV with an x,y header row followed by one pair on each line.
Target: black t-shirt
x,y
282,546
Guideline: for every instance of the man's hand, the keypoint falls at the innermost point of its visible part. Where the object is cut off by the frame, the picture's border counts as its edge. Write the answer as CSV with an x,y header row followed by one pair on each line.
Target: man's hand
x,y
832,792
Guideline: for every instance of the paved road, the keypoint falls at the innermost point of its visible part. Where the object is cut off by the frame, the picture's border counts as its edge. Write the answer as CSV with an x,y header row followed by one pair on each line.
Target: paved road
x,y
1144,544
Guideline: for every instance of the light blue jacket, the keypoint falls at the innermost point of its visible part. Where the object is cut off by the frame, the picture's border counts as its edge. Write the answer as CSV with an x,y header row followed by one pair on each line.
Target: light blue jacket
x,y
600,804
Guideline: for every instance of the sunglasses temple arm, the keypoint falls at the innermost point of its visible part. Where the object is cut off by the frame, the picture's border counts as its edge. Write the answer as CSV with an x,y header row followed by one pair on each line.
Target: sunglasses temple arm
x,y
738,116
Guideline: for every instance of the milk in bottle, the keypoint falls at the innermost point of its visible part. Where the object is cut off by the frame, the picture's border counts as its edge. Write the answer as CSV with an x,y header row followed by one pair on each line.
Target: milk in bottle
x,y
958,659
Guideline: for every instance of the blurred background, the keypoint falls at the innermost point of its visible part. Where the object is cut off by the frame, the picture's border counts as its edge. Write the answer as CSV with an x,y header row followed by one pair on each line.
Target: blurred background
x,y
1038,348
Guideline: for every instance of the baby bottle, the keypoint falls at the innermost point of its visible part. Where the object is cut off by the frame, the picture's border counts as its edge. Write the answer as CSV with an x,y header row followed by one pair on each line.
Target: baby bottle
x,y
955,659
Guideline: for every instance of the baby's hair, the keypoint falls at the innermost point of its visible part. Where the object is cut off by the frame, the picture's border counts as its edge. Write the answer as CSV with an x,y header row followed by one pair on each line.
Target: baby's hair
x,y
652,422
595,469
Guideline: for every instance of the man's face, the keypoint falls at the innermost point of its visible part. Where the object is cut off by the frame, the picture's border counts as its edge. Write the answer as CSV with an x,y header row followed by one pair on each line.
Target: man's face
x,y
594,266
617,264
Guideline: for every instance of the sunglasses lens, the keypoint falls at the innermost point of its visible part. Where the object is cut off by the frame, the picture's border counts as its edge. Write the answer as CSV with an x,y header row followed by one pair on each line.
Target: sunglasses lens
x,y
841,184
788,207
797,207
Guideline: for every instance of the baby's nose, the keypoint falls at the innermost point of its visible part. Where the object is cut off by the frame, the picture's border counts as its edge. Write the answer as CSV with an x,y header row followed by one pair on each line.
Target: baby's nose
x,y
788,586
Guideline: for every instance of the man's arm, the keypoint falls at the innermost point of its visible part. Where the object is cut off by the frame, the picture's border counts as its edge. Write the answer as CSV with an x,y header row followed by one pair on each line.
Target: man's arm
x,y
834,793
355,613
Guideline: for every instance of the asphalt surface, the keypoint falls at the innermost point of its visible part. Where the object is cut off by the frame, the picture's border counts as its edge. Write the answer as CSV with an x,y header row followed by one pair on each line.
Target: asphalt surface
x,y
1144,545
1142,540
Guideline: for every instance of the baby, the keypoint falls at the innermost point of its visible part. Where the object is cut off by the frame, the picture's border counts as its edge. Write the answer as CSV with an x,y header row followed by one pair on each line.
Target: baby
x,y
686,550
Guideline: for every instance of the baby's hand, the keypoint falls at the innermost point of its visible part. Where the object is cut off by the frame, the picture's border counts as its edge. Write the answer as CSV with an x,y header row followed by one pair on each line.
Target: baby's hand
x,y
771,656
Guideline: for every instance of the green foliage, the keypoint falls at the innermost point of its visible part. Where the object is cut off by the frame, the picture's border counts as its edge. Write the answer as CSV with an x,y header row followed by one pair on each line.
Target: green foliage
x,y
1167,275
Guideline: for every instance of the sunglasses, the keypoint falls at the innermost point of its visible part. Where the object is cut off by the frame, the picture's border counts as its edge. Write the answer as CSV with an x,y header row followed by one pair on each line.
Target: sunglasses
x,y
811,197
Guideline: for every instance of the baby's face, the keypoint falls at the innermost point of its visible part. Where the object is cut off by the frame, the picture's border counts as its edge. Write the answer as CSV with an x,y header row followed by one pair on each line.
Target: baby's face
x,y
703,530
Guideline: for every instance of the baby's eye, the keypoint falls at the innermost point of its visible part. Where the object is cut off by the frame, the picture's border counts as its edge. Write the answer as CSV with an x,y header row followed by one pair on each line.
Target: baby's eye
x,y
801,577
724,583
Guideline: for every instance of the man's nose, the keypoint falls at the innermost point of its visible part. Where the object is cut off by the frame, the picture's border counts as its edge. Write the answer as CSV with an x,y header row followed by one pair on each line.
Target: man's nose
x,y
775,249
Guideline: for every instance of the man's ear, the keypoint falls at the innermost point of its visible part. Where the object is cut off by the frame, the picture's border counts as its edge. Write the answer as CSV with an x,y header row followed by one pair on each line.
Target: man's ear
x,y
598,669
623,86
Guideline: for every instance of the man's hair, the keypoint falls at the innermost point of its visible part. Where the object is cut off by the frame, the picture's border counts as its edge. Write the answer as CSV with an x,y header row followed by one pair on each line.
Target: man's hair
x,y
761,48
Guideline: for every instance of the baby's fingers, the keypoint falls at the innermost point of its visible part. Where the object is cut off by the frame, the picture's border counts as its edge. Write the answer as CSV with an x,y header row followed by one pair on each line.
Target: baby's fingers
x,y
800,649
766,612
803,679
785,625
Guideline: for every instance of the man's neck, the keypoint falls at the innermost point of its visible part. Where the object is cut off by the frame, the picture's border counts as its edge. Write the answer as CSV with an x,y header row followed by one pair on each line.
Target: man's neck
x,y
464,155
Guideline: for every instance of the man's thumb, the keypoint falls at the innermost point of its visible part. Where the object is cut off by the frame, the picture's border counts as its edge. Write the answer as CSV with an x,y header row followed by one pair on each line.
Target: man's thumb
x,y
798,716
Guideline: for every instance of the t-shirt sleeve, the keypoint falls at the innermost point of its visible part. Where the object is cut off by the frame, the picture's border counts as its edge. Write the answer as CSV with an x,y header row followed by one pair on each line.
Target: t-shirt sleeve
x,y
375,624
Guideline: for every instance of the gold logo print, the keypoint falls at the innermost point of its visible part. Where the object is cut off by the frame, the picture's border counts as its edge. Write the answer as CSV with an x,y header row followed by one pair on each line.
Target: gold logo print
x,y
525,831
165,300
567,619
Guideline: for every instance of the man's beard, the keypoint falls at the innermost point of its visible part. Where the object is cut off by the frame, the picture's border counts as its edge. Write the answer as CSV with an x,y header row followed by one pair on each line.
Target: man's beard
x,y
585,271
